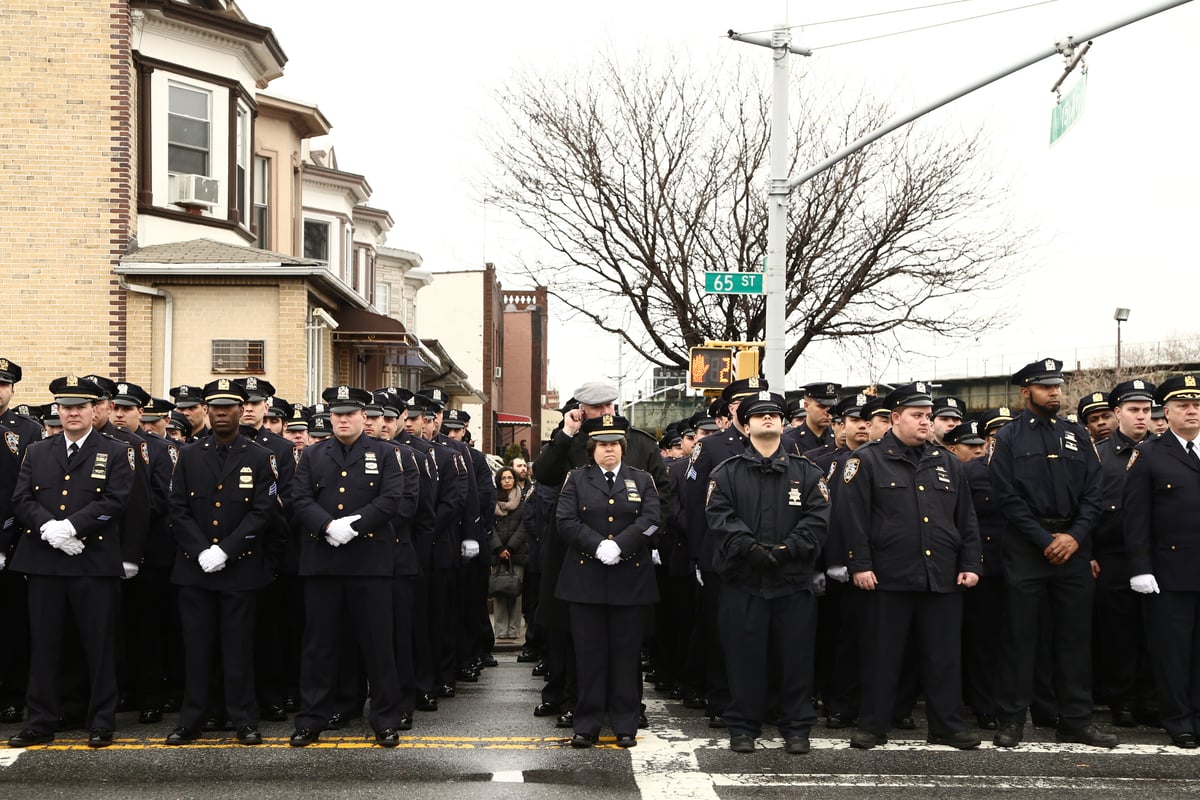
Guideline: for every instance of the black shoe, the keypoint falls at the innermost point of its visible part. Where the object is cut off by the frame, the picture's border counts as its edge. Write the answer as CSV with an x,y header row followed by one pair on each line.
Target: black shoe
x,y
741,743
336,721
1123,717
643,723
582,740
291,705
839,719
248,734
526,657
694,701
182,735
273,713
626,740
864,740
962,740
716,721
545,709
1043,720
796,745
1088,734
446,690
29,738
303,737
11,714
388,737
488,660
904,724
987,722
1185,740
566,720
539,670
468,675
426,702
650,677
405,723
676,694
1009,734
99,737
150,716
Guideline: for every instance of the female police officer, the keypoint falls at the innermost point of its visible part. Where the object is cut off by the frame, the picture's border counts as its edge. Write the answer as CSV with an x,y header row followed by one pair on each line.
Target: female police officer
x,y
607,513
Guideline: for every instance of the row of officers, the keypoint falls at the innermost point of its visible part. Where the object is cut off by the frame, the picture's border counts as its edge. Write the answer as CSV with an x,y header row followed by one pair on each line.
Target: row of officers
x,y
282,578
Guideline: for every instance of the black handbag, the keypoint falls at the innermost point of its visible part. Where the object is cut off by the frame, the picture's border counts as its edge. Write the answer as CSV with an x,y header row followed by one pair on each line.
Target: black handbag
x,y
504,580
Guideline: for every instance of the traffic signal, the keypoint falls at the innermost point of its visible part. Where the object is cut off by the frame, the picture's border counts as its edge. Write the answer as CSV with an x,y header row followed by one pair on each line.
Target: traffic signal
x,y
747,363
710,367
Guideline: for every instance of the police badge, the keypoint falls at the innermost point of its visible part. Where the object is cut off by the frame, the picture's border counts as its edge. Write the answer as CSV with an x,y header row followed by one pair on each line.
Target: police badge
x,y
850,470
12,440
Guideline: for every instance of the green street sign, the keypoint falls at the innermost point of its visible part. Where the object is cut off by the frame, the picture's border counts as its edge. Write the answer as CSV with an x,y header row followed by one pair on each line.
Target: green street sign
x,y
1068,110
733,282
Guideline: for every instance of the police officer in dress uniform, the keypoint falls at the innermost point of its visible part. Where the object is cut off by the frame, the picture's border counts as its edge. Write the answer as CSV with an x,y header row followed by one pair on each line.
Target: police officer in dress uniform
x,y
819,399
189,401
348,490
1162,541
222,505
1046,476
948,414
912,543
607,512
70,495
1095,414
768,511
1124,678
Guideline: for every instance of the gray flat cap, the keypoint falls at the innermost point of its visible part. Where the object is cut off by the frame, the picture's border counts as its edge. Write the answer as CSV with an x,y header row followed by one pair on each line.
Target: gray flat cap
x,y
596,393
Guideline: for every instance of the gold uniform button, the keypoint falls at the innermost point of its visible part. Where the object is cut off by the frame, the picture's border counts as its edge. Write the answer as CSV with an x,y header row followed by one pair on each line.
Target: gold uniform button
x,y
100,538
219,487
1168,486
926,519
215,541
610,519
928,552
1172,547
64,492
610,536
339,506
581,562
370,536
65,478
344,473
921,488
342,489
893,483
215,523
62,508
217,504
610,500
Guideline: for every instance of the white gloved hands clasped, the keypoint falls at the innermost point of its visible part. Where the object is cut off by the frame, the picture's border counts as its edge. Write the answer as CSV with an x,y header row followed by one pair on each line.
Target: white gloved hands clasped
x,y
60,534
656,558
130,568
608,553
213,559
341,530
470,549
1144,584
839,574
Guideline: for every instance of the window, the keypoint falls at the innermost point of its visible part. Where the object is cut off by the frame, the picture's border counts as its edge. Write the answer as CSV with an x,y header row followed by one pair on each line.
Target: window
x,y
262,194
383,299
242,199
188,130
240,356
316,239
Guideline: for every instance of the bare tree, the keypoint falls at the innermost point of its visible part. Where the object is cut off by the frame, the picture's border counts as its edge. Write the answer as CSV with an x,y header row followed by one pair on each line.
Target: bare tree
x,y
1153,363
640,178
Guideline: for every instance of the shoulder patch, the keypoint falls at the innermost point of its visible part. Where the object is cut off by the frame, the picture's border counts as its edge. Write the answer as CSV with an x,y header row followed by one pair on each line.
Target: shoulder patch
x,y
274,465
12,441
399,460
832,469
823,488
131,458
1132,458
460,464
711,486
173,454
145,453
850,470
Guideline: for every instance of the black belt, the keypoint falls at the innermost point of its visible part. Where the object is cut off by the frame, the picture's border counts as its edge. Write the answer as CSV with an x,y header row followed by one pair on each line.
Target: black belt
x,y
1055,524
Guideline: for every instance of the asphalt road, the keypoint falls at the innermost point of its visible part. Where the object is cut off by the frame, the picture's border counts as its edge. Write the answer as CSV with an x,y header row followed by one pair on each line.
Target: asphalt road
x,y
486,743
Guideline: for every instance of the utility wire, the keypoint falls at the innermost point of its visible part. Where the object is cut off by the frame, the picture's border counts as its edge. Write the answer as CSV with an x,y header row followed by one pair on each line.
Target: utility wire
x,y
934,25
864,16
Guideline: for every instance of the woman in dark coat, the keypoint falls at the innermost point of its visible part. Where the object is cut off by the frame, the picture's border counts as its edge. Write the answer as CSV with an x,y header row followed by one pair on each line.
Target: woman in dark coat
x,y
510,549
607,512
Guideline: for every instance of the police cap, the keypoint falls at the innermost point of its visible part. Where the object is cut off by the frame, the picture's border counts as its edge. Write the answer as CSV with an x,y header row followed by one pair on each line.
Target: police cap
x,y
823,392
949,406
70,390
453,419
1047,372
1178,387
179,421
851,406
606,427
763,402
994,419
257,389
743,387
130,394
345,399
10,371
910,394
967,433
876,407
224,392
1092,401
1136,389
186,396
156,409
107,387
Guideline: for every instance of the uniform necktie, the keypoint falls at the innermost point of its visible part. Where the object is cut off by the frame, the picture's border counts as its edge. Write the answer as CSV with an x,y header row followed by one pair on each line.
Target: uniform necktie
x,y
608,476
73,449
1191,448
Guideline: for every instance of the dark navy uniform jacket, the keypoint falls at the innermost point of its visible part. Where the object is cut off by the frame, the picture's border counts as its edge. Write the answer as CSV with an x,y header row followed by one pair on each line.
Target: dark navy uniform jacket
x,y
333,481
231,505
27,430
993,525
424,522
673,541
1162,514
10,467
135,523
588,513
93,492
451,504
284,552
804,439
911,522
829,461
163,455
1114,452
1022,479
779,500
405,553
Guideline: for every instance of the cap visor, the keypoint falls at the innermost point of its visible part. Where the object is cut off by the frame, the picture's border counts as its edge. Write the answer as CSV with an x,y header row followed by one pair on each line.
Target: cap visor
x,y
344,408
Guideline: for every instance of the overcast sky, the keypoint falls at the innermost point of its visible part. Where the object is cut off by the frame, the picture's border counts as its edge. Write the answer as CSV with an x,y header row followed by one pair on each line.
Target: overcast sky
x,y
1111,209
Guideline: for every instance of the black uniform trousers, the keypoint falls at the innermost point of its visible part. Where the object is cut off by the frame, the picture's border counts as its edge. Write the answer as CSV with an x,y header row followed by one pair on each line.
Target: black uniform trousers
x,y
1124,679
153,652
95,605
531,590
1030,582
475,634
402,640
673,626
1173,631
14,655
889,619
841,695
983,621
608,642
444,618
218,623
768,637
365,604
706,658
425,674
562,687
279,640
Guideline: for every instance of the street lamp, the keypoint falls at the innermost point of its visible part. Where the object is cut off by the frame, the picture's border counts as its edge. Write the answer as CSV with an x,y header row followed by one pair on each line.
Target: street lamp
x,y
1120,315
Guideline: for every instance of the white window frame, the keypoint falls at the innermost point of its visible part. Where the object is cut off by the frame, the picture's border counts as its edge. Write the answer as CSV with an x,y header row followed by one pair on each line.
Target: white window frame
x,y
211,149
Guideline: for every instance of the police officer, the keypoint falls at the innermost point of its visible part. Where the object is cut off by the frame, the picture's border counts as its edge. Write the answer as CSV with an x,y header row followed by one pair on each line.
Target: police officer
x,y
155,415
189,401
819,399
607,512
1046,476
179,428
70,495
14,659
1161,505
26,429
948,414
768,511
912,543
222,505
1124,676
1096,415
347,491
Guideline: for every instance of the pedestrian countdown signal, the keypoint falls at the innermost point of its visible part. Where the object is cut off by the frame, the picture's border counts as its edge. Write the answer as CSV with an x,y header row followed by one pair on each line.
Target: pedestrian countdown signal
x,y
710,367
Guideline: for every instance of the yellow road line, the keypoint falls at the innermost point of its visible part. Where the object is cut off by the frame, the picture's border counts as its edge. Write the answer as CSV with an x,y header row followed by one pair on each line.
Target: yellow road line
x,y
336,743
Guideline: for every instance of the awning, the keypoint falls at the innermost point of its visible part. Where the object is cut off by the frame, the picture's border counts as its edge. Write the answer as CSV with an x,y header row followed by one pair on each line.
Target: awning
x,y
513,419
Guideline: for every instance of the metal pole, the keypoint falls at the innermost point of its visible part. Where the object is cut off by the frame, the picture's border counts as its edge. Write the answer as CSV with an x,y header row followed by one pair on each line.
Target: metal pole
x,y
778,195
1118,344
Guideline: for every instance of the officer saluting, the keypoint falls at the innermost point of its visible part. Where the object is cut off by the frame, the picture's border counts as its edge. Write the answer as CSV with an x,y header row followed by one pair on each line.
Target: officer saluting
x,y
69,499
222,505
1162,540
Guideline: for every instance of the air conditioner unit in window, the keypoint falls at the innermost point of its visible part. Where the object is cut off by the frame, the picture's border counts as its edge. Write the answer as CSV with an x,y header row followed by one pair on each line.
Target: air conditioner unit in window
x,y
194,190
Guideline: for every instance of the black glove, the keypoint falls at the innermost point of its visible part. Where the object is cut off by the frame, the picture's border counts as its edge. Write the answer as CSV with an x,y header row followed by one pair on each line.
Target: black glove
x,y
760,558
781,553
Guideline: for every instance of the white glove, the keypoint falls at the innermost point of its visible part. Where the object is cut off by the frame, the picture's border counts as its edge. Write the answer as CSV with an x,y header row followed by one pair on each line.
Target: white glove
x,y
699,579
1144,584
818,584
53,531
839,574
608,553
60,534
656,558
131,569
341,530
470,549
3,560
71,546
213,559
